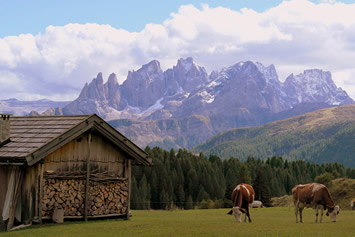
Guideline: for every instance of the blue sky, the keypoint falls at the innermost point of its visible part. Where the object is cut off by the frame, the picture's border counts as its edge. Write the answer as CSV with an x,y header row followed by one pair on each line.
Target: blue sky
x,y
50,49
33,16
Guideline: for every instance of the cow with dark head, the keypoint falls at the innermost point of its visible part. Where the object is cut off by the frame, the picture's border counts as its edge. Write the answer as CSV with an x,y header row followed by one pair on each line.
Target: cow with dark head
x,y
242,196
316,196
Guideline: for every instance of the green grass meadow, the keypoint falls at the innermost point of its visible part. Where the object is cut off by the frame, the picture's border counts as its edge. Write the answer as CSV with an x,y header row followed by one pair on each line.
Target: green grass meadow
x,y
275,221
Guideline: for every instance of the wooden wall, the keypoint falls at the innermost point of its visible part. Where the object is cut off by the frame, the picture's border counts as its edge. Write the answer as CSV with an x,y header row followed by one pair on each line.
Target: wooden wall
x,y
30,193
72,157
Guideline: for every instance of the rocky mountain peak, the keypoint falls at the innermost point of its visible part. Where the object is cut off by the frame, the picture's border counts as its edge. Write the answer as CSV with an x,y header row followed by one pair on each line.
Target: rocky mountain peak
x,y
153,67
188,75
112,92
269,72
112,79
99,79
94,90
314,85
242,68
186,64
244,94
144,87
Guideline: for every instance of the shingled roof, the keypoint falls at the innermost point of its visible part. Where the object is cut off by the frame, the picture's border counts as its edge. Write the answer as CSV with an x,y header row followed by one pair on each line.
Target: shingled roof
x,y
34,137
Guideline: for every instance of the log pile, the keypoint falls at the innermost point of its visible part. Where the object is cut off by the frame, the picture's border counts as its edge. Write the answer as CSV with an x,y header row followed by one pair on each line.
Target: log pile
x,y
69,195
107,198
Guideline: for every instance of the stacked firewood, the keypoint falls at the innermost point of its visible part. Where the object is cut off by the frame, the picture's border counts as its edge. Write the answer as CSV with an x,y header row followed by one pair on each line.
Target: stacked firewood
x,y
69,195
111,198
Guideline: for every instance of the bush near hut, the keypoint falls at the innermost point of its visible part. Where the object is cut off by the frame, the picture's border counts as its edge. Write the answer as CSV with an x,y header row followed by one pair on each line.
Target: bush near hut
x,y
325,178
284,201
343,191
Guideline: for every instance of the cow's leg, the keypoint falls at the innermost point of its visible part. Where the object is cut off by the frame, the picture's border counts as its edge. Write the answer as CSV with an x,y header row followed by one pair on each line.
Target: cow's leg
x,y
300,210
296,213
247,213
316,211
321,214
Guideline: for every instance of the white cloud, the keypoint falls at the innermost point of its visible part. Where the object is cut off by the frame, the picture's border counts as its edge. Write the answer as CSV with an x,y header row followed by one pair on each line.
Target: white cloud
x,y
294,35
327,1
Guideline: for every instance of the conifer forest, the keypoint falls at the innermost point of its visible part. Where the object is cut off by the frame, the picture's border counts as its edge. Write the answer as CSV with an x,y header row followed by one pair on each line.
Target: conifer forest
x,y
181,179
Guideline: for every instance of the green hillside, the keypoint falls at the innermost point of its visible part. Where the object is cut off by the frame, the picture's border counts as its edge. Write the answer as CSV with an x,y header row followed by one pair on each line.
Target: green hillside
x,y
326,135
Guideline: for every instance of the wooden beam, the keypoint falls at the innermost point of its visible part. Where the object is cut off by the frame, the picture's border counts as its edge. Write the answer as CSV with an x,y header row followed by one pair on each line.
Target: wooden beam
x,y
87,183
38,175
128,176
89,217
40,194
12,163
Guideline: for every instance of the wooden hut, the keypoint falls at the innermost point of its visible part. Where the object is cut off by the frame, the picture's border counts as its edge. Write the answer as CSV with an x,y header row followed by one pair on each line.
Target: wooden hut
x,y
64,167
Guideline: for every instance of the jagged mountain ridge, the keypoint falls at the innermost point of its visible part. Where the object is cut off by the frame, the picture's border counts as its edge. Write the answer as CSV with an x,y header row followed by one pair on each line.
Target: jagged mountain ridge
x,y
21,108
244,94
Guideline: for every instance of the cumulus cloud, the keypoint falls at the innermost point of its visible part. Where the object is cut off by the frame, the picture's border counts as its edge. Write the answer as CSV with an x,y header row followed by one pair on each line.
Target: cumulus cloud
x,y
294,36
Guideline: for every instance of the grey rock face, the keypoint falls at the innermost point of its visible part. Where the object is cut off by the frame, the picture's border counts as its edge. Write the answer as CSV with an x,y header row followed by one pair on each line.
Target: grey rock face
x,y
313,86
245,94
96,97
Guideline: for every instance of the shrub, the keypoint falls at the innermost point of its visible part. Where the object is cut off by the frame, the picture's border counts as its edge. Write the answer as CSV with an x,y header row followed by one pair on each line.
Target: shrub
x,y
324,178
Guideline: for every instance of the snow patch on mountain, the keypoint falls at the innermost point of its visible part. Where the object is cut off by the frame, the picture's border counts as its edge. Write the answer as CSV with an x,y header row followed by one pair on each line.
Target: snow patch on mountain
x,y
157,105
206,97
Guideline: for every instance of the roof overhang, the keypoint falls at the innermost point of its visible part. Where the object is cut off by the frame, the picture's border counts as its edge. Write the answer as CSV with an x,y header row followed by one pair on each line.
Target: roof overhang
x,y
92,123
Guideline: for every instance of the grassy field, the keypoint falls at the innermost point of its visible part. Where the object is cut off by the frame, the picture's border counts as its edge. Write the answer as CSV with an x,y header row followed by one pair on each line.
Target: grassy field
x,y
276,221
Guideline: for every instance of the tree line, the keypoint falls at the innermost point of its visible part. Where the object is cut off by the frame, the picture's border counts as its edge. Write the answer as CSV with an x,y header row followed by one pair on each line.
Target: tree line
x,y
181,179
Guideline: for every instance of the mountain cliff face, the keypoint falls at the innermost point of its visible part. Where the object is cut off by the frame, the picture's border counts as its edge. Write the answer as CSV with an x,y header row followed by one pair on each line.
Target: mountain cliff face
x,y
314,86
195,106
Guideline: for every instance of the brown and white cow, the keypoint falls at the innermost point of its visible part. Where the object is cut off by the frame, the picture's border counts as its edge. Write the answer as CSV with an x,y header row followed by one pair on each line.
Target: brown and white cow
x,y
352,204
257,204
242,196
316,196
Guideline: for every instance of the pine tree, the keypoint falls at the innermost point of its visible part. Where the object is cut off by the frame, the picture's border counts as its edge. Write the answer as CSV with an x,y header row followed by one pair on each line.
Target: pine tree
x,y
202,195
180,196
189,204
144,192
164,200
261,187
134,193
244,175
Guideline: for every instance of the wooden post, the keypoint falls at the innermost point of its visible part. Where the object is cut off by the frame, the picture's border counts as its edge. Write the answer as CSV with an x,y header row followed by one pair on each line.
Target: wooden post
x,y
87,184
40,194
128,176
38,168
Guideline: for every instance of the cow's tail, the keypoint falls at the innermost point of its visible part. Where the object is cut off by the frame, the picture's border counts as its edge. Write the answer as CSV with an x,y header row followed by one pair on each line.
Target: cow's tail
x,y
291,202
238,200
234,203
